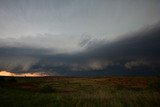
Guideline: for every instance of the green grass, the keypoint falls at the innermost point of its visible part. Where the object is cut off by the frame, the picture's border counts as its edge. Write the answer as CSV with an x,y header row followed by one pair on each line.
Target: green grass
x,y
79,92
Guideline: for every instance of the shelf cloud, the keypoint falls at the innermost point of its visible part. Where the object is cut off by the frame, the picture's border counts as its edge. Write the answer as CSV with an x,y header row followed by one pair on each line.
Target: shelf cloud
x,y
136,51
80,37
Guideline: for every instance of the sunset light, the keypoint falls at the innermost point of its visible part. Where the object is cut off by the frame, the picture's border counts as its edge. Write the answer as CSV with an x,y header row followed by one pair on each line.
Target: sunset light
x,y
6,73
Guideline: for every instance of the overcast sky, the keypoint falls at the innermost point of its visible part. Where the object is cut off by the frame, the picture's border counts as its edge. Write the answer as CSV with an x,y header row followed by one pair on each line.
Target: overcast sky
x,y
54,22
64,36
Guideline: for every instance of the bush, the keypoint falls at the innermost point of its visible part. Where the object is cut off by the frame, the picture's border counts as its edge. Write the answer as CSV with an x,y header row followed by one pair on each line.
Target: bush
x,y
154,86
119,87
12,80
47,89
2,80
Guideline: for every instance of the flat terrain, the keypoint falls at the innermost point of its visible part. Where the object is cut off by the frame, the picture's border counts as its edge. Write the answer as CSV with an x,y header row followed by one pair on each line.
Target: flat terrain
x,y
79,92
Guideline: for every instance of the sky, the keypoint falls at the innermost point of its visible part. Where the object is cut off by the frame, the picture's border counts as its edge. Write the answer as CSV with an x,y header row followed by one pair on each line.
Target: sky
x,y
80,37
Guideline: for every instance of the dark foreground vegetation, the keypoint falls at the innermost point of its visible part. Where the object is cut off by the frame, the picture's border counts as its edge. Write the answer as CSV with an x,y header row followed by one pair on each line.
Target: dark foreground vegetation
x,y
79,92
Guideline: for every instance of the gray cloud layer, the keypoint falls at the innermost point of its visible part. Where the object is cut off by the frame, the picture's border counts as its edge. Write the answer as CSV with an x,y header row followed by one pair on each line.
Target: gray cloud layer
x,y
135,54
112,18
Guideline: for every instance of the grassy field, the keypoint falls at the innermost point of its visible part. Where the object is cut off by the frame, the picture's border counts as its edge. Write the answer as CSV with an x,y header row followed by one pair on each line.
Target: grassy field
x,y
79,92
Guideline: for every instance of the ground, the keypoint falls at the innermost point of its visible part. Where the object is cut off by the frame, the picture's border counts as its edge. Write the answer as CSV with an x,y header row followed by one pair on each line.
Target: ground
x,y
79,92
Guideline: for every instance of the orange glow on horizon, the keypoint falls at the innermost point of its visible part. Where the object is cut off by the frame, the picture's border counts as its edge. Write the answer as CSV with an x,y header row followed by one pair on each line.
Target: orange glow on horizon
x,y
6,73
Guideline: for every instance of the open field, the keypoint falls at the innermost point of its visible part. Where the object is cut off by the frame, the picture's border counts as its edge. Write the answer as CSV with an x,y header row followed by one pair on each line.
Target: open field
x,y
79,92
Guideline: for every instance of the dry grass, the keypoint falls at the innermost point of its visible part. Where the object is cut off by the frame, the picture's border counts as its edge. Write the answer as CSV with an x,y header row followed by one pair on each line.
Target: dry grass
x,y
80,92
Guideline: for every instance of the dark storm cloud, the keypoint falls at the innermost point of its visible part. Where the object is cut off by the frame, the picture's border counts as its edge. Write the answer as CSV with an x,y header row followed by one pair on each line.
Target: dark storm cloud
x,y
136,52
19,59
144,43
